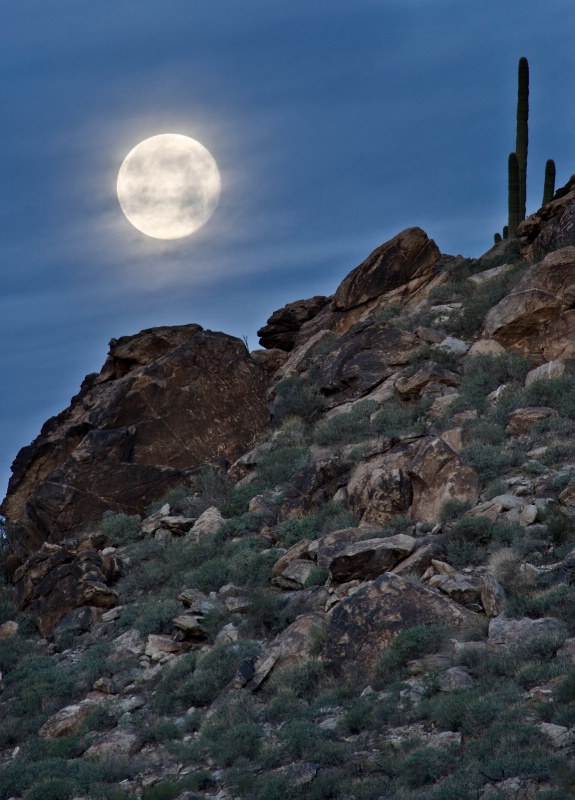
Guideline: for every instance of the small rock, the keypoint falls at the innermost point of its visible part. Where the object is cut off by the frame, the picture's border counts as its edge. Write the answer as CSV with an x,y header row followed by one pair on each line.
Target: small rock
x,y
158,644
559,735
456,347
112,614
8,629
455,678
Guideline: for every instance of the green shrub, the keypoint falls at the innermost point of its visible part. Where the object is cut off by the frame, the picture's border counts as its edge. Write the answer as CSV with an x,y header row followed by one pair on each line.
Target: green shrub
x,y
317,577
121,528
346,428
490,461
332,516
395,418
303,681
267,614
484,431
296,396
52,789
453,509
150,615
428,764
559,601
279,465
165,790
558,453
557,393
407,645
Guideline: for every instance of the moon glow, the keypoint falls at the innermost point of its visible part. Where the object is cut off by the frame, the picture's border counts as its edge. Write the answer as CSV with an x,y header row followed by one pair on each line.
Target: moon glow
x,y
168,186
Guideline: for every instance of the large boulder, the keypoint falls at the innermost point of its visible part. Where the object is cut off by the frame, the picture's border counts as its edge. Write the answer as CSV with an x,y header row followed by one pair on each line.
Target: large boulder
x,y
58,580
552,227
362,625
408,261
370,558
537,319
166,401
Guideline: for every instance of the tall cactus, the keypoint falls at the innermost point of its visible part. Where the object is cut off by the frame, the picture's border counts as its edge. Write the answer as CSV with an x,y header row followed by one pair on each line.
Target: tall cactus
x,y
549,187
514,194
522,138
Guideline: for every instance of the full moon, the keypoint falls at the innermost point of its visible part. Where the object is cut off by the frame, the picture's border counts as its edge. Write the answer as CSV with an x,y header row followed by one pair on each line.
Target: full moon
x,y
168,186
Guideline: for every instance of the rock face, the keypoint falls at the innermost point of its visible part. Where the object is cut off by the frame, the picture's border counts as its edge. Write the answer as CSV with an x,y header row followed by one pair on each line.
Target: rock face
x,y
284,324
166,401
368,621
537,319
58,580
553,226
408,261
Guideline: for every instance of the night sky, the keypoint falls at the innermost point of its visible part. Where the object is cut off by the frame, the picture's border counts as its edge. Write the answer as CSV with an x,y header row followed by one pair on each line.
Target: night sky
x,y
335,124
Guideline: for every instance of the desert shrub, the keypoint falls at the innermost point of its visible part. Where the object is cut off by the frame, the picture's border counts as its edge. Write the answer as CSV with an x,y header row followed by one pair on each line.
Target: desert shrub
x,y
558,453
52,789
150,615
453,509
267,614
40,685
484,431
440,355
296,396
246,565
345,428
427,764
555,484
557,393
395,417
121,528
317,577
237,501
300,737
470,536
407,645
196,680
490,461
560,527
558,426
559,601
332,516
241,525
303,681
228,743
7,608
280,464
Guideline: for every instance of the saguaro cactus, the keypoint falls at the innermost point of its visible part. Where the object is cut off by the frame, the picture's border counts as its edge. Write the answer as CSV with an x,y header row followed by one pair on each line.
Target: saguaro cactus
x,y
549,186
522,138
514,197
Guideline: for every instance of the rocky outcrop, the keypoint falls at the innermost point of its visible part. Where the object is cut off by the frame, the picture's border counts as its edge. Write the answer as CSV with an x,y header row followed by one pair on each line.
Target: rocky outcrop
x,y
552,227
537,318
407,261
166,401
362,625
58,580
283,325
368,559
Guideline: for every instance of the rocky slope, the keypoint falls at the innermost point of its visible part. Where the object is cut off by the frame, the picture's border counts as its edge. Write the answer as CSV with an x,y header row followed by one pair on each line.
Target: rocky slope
x,y
341,566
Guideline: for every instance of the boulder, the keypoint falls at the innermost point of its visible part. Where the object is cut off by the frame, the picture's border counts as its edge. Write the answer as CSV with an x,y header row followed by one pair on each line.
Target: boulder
x,y
209,522
54,582
380,487
8,629
361,359
506,633
166,401
362,625
411,387
368,559
292,646
536,319
323,474
69,719
269,361
283,325
521,419
438,474
408,261
118,742
551,369
485,347
295,574
328,545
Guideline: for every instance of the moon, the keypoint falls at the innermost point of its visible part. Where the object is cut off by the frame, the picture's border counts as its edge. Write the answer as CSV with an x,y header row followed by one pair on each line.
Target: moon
x,y
168,186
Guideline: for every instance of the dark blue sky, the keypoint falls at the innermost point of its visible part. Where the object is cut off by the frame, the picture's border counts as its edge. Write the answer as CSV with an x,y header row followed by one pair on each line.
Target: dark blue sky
x,y
335,124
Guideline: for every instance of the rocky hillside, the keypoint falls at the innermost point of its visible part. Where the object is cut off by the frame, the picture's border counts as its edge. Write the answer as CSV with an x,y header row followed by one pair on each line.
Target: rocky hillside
x,y
341,567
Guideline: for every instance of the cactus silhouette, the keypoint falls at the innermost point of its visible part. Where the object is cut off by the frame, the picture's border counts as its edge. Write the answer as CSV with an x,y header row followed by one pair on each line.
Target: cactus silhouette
x,y
522,138
497,238
513,197
549,187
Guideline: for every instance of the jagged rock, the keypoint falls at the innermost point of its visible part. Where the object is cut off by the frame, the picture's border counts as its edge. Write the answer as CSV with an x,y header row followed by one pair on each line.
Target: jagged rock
x,y
379,487
510,789
151,524
438,474
328,545
492,595
246,464
408,261
506,633
552,226
52,583
462,588
411,387
429,335
190,627
454,437
457,347
129,643
199,603
118,742
420,559
292,646
323,474
480,278
362,625
536,319
270,361
552,369
299,773
166,401
158,645
298,551
368,559
559,735
283,325
361,359
567,496
295,574
69,719
295,361
521,419
209,522
441,404
554,574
